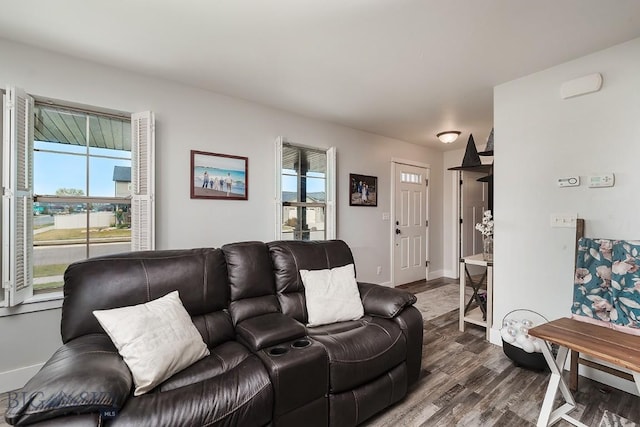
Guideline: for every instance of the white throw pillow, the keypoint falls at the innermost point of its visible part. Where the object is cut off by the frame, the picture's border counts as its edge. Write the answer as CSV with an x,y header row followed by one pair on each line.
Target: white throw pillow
x,y
332,295
156,339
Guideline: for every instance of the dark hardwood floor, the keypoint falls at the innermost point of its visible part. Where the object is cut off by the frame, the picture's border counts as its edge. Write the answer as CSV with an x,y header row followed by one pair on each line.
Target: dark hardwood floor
x,y
466,381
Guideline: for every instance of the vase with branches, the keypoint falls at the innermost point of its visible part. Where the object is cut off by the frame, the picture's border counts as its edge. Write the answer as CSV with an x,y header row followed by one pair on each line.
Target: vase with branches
x,y
486,229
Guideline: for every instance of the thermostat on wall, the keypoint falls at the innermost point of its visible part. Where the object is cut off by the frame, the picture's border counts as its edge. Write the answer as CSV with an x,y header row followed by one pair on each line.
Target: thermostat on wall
x,y
570,181
602,180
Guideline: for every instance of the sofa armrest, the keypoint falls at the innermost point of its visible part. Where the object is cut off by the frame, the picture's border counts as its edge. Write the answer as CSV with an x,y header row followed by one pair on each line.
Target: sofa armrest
x,y
86,375
93,419
382,301
269,329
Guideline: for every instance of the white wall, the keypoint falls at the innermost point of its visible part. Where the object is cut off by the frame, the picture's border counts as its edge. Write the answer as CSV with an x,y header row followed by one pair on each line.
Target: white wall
x,y
539,138
189,118
451,226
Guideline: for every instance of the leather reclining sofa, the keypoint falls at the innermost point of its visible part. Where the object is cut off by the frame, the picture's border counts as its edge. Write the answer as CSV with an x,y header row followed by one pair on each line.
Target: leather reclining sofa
x,y
265,368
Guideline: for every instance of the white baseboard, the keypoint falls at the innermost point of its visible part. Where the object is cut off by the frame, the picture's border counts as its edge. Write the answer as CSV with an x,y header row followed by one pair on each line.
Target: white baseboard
x,y
387,284
435,274
495,337
450,274
608,379
17,378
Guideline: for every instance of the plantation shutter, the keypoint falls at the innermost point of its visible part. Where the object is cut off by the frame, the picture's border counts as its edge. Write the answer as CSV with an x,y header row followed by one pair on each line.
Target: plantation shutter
x,y
17,197
330,216
143,181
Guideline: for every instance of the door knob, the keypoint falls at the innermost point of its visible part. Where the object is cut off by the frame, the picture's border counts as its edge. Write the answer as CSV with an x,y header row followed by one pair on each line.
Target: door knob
x,y
398,231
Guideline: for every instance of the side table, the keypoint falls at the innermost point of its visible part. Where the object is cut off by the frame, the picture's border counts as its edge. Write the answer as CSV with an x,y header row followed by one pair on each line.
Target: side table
x,y
612,346
481,315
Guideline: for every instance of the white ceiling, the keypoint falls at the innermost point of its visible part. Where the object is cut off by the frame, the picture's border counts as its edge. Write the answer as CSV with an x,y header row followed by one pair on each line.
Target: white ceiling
x,y
407,69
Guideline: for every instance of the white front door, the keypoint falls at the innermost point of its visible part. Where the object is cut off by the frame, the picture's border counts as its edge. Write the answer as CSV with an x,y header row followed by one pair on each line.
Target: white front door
x,y
410,223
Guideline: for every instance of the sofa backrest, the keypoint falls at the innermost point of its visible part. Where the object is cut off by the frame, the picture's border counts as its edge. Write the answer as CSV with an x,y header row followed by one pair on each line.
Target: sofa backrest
x,y
199,275
252,290
291,256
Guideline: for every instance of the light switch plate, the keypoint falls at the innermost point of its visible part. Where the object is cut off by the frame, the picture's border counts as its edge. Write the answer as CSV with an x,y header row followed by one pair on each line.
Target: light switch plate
x,y
564,220
570,181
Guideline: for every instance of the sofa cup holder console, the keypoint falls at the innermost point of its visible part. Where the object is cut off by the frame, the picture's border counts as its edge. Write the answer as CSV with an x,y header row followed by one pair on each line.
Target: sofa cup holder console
x,y
278,351
301,343
282,350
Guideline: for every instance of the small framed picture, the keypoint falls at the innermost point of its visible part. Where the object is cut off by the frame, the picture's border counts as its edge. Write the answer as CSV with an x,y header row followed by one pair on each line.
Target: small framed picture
x,y
219,176
363,190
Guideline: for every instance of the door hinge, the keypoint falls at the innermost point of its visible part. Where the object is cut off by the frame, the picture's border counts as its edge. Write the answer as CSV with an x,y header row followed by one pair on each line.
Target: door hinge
x,y
460,220
460,182
426,223
426,182
426,263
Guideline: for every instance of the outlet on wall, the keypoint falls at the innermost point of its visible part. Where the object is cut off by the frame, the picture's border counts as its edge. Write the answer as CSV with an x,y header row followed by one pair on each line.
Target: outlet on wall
x,y
378,270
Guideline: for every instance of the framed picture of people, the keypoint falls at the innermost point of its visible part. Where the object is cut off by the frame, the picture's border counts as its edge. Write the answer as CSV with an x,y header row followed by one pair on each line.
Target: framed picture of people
x,y
363,190
219,176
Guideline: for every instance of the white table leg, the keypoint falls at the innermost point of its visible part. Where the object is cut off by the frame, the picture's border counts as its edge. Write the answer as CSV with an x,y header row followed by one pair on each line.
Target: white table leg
x,y
489,301
554,381
636,379
547,415
463,278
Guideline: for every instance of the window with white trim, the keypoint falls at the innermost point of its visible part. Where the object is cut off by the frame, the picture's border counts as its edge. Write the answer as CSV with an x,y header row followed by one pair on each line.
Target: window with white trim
x,y
77,182
411,178
305,192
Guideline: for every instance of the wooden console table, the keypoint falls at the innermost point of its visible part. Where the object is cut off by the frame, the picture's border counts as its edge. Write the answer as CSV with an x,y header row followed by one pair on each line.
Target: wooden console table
x,y
480,315
606,344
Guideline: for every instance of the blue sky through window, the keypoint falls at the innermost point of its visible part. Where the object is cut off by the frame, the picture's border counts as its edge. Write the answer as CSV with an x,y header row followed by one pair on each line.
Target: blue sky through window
x,y
290,181
52,171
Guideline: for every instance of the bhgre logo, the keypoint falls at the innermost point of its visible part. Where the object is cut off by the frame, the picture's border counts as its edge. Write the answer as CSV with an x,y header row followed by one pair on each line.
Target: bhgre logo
x,y
101,401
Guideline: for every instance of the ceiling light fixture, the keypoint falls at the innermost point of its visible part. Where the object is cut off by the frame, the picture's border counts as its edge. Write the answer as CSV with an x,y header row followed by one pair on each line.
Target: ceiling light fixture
x,y
448,136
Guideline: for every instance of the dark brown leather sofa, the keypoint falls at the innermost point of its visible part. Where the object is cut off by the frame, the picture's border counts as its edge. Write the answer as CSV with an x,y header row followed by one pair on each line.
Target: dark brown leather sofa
x,y
265,368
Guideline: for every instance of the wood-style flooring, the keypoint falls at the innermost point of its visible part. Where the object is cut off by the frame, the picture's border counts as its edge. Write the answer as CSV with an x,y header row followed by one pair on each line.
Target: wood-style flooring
x,y
466,381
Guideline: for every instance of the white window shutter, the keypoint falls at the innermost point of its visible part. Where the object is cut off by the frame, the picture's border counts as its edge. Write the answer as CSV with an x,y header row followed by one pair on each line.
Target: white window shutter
x,y
143,181
17,197
278,195
330,216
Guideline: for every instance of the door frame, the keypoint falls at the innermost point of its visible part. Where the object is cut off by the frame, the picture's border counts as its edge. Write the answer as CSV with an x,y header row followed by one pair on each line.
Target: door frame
x,y
457,208
394,162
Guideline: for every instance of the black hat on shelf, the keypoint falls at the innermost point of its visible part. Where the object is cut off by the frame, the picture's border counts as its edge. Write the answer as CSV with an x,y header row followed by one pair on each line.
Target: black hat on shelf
x,y
471,157
488,150
488,178
471,160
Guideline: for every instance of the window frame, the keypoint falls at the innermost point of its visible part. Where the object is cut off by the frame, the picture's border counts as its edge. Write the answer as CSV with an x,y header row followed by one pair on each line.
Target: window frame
x,y
142,196
330,182
86,155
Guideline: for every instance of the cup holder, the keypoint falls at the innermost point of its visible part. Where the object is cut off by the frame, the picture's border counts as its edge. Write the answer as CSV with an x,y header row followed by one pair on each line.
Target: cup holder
x,y
301,343
278,351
